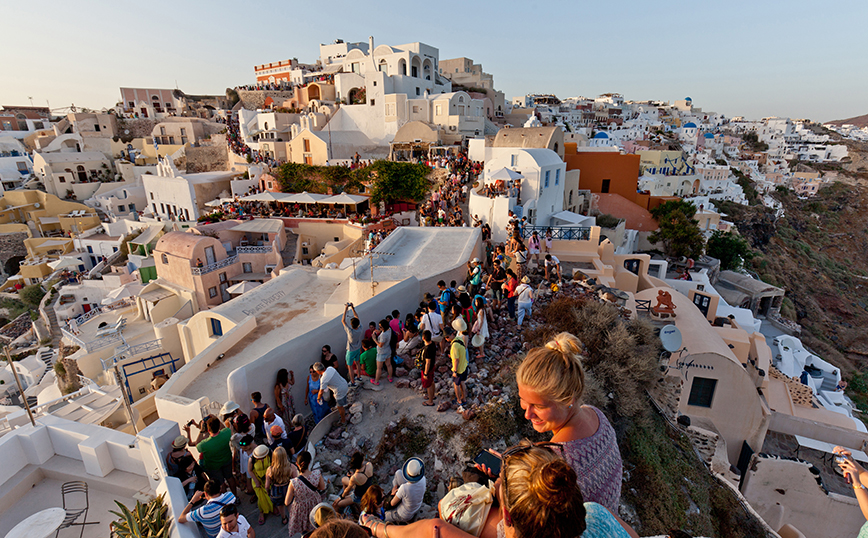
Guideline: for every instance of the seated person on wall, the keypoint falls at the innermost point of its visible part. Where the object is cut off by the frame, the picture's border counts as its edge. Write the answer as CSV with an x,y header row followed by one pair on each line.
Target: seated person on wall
x,y
408,345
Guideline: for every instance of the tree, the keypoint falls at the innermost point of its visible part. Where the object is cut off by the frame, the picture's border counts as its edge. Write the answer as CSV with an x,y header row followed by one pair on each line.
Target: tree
x,y
678,230
32,295
730,248
392,181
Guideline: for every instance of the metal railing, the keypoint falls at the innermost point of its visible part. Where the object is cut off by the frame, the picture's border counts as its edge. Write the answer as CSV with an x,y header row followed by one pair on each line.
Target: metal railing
x,y
87,316
254,250
105,341
569,233
226,262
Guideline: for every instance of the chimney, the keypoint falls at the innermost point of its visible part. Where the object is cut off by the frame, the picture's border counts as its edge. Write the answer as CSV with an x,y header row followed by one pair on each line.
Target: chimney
x,y
371,45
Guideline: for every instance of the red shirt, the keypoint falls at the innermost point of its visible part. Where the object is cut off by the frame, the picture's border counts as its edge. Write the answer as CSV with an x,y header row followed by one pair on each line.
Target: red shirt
x,y
511,284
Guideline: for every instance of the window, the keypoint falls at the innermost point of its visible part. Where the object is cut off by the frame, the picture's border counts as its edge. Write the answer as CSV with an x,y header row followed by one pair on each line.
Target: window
x,y
558,176
164,258
605,187
162,208
415,110
438,110
114,249
222,277
513,160
247,267
373,102
172,140
216,326
184,131
418,91
702,392
548,174
162,131
212,292
375,82
152,196
122,209
306,144
89,249
132,207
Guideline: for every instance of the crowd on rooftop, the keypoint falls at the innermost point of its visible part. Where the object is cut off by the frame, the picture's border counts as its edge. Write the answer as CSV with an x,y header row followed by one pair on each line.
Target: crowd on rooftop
x,y
568,487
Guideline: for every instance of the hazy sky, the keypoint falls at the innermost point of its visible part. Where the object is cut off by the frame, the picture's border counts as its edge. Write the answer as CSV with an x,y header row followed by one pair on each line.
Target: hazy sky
x,y
759,58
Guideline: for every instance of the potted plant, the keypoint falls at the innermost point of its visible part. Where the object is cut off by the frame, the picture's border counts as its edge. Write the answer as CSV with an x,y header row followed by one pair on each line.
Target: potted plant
x,y
144,521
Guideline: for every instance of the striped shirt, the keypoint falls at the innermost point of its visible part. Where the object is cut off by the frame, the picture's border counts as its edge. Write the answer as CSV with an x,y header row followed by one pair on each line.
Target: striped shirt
x,y
209,513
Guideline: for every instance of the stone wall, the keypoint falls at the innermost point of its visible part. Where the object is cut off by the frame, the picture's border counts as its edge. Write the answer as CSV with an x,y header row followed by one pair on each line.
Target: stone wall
x,y
800,394
12,245
138,128
214,157
253,100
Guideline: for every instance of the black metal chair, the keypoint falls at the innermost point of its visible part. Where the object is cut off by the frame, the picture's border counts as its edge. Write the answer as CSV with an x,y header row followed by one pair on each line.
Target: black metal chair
x,y
76,505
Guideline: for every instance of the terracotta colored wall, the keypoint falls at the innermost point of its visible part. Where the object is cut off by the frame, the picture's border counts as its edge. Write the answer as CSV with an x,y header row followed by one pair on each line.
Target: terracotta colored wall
x,y
622,170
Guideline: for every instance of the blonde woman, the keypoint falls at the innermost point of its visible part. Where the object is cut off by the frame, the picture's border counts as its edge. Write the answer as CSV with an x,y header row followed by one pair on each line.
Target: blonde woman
x,y
551,381
277,479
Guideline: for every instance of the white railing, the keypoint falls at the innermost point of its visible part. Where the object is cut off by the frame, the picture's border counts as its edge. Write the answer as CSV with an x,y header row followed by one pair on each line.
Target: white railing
x,y
226,262
87,316
73,338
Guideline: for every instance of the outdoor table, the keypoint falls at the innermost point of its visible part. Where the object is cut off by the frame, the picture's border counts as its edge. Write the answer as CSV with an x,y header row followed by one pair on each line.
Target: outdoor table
x,y
40,525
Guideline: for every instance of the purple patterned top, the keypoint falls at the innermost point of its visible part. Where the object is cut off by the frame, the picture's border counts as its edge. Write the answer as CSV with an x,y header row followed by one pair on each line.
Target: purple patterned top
x,y
597,461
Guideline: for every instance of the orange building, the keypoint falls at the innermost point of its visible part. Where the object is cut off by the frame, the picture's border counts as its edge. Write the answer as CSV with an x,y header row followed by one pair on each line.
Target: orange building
x,y
604,171
610,172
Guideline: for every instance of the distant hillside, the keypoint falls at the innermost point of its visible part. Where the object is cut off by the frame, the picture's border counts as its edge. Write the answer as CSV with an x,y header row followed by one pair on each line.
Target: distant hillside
x,y
858,121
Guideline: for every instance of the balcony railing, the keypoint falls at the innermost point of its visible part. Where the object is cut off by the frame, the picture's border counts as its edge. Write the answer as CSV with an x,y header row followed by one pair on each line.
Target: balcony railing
x,y
575,233
226,262
254,250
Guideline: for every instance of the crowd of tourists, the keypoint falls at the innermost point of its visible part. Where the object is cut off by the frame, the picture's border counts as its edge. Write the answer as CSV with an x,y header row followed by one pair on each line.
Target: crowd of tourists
x,y
567,487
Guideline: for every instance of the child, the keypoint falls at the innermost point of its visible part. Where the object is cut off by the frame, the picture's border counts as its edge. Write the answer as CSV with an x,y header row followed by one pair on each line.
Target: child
x,y
372,503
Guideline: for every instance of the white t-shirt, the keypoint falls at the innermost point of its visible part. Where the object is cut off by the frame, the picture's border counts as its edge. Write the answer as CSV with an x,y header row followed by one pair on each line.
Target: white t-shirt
x,y
333,381
411,495
524,293
431,321
553,262
241,532
278,421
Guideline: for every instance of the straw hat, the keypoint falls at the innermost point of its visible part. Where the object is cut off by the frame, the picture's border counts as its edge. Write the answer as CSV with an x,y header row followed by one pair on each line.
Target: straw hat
x,y
229,408
260,452
179,442
459,325
525,279
477,340
462,289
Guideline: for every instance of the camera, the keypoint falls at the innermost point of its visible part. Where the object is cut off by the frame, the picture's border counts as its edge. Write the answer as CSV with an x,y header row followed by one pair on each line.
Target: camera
x,y
841,459
191,423
349,304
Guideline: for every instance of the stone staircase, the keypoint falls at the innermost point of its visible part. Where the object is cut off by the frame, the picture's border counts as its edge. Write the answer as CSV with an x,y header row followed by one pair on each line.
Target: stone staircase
x,y
288,252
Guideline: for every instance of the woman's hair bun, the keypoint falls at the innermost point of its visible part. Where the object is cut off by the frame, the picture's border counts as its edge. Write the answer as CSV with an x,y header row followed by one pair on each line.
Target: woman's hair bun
x,y
552,482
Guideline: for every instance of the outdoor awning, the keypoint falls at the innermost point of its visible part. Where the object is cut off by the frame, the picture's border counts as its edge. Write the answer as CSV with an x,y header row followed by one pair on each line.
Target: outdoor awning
x,y
260,226
49,220
53,243
156,295
345,199
249,276
506,174
305,198
267,196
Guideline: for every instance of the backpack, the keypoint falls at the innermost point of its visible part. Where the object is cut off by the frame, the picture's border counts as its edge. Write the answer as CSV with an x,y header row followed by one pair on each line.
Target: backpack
x,y
420,358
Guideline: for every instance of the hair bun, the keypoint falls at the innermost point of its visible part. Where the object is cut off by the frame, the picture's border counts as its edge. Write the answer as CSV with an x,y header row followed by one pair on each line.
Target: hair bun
x,y
568,345
552,482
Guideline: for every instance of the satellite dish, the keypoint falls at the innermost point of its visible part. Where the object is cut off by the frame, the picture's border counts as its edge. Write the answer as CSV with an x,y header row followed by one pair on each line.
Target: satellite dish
x,y
36,205
670,337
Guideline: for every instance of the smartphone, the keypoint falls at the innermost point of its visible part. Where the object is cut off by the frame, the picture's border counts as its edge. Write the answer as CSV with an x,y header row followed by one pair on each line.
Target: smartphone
x,y
489,460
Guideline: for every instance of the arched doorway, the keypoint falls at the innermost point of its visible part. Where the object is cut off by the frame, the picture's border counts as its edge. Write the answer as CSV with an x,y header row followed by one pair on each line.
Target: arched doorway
x,y
313,92
81,173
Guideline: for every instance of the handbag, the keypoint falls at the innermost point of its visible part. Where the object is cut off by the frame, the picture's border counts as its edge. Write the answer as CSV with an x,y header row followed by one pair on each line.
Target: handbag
x,y
467,507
